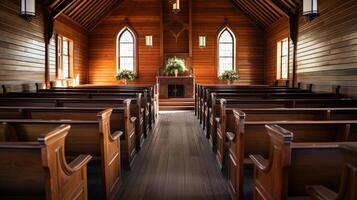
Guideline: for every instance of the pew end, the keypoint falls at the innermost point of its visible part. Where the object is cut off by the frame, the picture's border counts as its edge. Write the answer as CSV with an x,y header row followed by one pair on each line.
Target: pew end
x,y
43,162
292,166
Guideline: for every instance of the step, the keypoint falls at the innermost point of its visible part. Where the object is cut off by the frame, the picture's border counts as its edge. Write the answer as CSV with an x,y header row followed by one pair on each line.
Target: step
x,y
177,103
176,108
177,100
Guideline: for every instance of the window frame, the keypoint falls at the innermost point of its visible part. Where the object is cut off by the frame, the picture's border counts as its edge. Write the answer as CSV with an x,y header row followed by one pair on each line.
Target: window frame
x,y
234,47
60,57
135,48
281,57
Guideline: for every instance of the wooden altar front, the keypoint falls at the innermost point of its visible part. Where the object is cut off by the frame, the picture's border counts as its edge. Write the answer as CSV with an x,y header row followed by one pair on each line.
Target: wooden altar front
x,y
175,87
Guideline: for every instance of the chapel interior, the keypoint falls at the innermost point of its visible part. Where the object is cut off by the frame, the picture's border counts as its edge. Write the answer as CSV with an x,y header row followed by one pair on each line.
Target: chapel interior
x,y
178,99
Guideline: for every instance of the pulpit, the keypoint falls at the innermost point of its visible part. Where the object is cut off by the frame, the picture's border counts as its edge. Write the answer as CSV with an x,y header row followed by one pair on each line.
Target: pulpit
x,y
175,87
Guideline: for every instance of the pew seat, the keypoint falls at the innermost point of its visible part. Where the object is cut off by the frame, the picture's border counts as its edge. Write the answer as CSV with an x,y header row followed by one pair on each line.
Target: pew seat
x,y
120,120
36,168
133,107
292,167
249,137
85,137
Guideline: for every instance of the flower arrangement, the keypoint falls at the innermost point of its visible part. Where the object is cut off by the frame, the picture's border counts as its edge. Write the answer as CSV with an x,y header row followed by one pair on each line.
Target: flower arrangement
x,y
229,75
126,75
175,65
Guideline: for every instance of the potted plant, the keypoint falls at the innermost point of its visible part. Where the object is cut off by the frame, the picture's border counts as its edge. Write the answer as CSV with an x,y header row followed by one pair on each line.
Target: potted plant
x,y
230,76
126,75
174,66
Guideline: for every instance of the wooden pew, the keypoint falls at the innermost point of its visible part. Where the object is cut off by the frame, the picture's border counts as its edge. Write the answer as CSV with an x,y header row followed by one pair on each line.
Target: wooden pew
x,y
207,94
37,168
149,93
120,120
203,92
135,108
84,95
292,166
218,126
249,137
348,183
257,96
85,137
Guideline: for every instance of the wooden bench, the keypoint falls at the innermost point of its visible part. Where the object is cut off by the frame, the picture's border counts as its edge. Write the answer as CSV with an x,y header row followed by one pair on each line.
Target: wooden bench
x,y
83,95
36,168
203,92
257,96
348,181
135,107
263,92
249,137
120,120
85,137
217,125
149,92
293,166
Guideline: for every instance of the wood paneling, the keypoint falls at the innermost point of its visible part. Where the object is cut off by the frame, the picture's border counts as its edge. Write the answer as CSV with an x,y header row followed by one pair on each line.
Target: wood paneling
x,y
275,33
22,55
70,29
22,47
327,47
208,19
144,18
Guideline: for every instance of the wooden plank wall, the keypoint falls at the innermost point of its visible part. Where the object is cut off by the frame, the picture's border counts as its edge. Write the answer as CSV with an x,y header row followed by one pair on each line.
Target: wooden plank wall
x,y
144,18
275,33
68,28
22,56
208,19
22,48
327,47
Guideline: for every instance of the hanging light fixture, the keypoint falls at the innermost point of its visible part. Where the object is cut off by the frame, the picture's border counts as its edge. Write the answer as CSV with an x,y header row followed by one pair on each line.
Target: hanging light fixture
x,y
202,41
148,41
28,9
176,6
310,10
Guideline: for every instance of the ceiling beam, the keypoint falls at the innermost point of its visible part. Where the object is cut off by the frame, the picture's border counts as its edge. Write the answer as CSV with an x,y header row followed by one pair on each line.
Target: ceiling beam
x,y
63,5
286,10
249,15
104,14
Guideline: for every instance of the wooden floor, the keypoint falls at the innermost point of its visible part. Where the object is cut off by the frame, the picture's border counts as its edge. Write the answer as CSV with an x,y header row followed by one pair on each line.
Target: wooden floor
x,y
175,163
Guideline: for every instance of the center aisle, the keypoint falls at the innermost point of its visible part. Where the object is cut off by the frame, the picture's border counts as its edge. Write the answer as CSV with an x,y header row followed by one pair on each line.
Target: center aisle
x,y
175,163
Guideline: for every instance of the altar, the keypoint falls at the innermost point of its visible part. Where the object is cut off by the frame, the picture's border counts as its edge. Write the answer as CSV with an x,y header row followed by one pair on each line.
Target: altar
x,y
175,87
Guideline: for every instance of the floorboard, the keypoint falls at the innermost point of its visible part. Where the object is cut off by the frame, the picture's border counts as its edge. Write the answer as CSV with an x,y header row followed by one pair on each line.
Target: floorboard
x,y
176,162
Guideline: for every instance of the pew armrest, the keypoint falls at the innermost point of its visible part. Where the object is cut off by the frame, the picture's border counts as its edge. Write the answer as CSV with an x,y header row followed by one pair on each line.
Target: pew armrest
x,y
116,135
321,192
132,119
230,136
78,163
259,162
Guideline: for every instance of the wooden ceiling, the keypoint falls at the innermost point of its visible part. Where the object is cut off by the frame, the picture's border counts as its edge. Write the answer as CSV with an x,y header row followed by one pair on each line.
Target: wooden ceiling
x,y
267,12
88,13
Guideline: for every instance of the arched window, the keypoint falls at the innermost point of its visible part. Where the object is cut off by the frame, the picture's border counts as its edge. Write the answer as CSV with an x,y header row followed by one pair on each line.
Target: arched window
x,y
226,50
126,51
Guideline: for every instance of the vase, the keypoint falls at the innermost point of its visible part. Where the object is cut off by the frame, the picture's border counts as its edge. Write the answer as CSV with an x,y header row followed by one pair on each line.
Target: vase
x,y
176,72
125,82
229,82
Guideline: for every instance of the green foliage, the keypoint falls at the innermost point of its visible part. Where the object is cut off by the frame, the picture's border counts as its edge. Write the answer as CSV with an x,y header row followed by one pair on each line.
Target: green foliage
x,y
229,75
126,75
175,64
